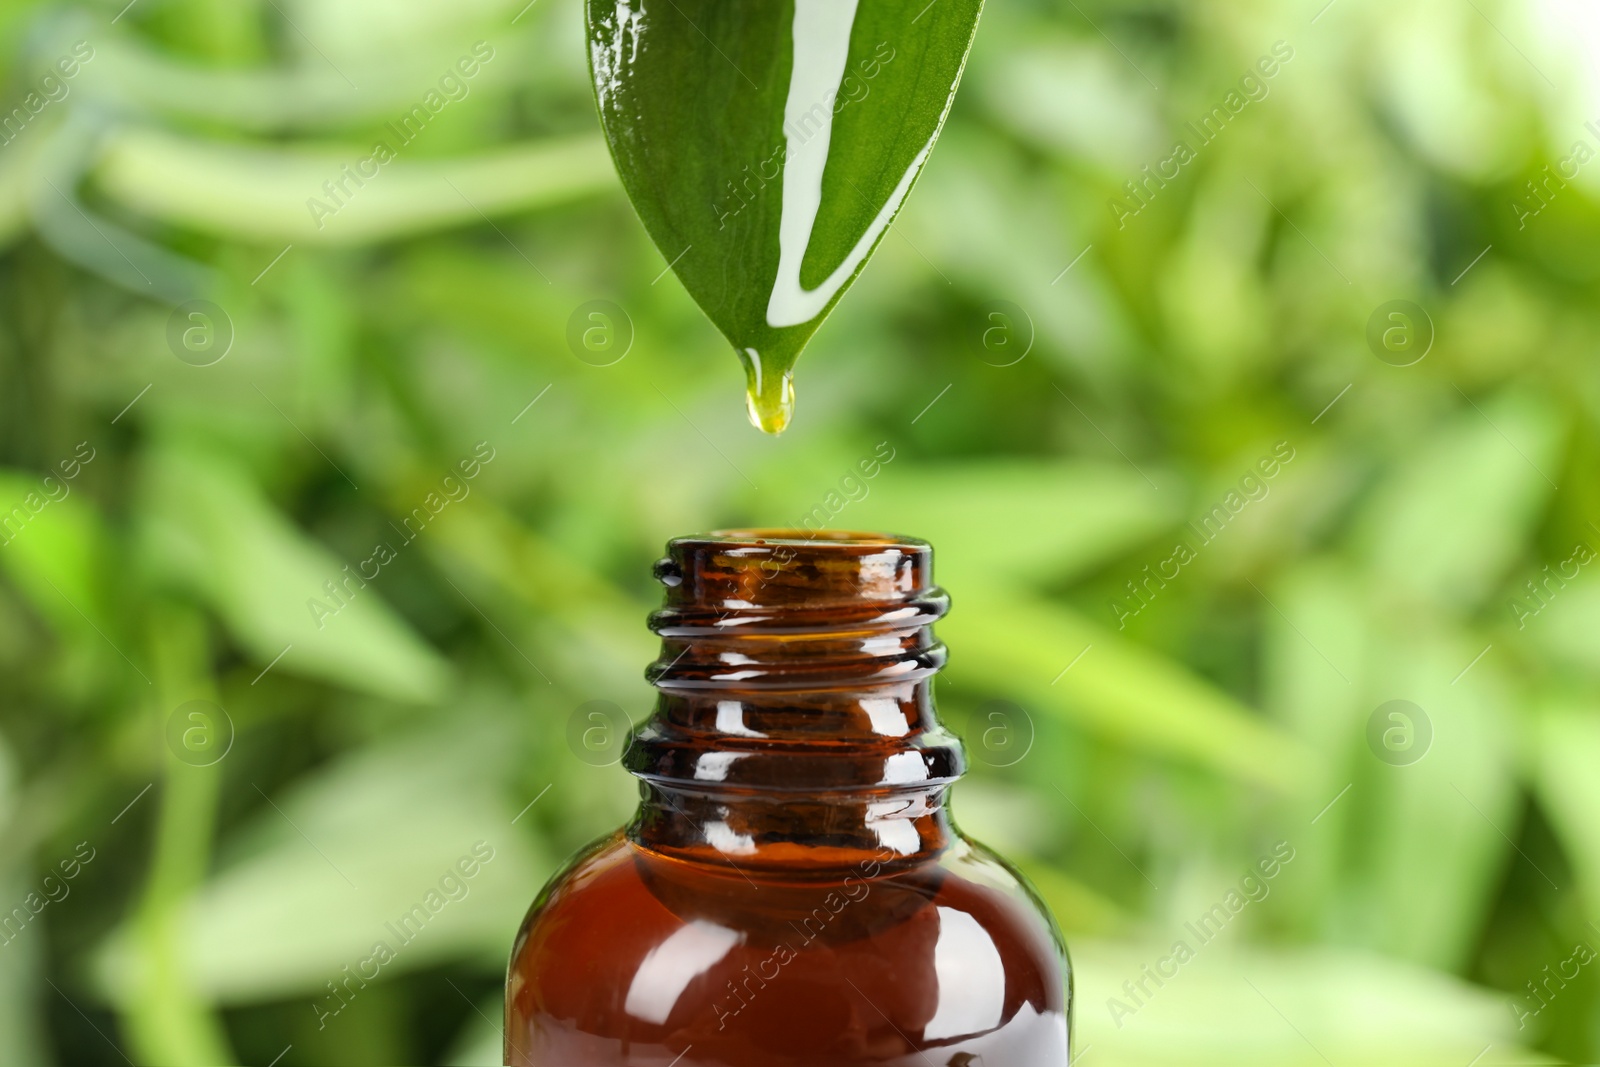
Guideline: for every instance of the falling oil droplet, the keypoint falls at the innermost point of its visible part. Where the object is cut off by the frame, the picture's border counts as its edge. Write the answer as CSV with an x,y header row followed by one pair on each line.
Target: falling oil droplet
x,y
769,398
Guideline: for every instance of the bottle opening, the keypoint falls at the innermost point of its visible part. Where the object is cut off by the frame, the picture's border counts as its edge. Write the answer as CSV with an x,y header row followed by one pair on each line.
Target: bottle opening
x,y
795,536
740,577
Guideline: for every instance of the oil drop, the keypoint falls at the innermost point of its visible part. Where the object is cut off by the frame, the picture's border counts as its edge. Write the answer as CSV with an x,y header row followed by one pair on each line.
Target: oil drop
x,y
769,393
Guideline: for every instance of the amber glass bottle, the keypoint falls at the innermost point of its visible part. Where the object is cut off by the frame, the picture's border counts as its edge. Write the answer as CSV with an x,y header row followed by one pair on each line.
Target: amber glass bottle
x,y
792,892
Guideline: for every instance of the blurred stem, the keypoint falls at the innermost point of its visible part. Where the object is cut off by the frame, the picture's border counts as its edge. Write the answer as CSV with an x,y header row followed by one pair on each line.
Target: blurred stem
x,y
166,1018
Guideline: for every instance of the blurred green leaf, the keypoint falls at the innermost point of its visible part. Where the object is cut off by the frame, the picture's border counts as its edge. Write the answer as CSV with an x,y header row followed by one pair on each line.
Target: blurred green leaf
x,y
208,528
22,953
262,194
1009,521
481,1042
132,73
1457,509
333,866
1077,908
1569,789
1428,866
54,546
21,978
1067,96
1323,616
1286,1008
1017,520
1013,644
1567,627
601,636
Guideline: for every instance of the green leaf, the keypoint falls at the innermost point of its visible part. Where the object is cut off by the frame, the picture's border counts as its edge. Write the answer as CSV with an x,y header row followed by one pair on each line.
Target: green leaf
x,y
1566,628
480,1042
769,146
1076,908
1407,855
1569,791
1448,522
21,954
331,866
52,544
237,191
210,529
1244,1007
1024,647
20,973
1323,615
1021,520
601,635
1434,836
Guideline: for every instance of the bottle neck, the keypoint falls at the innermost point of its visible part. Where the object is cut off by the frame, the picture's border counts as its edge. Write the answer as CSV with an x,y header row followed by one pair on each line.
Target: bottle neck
x,y
795,724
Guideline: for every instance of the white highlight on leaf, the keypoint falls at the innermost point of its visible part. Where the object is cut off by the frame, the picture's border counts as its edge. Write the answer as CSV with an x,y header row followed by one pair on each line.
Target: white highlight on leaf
x,y
821,51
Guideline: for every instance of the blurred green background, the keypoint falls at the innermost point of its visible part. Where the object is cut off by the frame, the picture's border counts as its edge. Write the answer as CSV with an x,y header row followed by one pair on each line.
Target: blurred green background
x,y
184,480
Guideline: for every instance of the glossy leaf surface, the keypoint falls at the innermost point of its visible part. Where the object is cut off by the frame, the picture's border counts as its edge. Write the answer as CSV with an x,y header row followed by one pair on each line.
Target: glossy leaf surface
x,y
768,147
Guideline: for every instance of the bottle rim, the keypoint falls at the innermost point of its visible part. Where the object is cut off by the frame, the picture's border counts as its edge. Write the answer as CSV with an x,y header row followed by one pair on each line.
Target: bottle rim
x,y
792,536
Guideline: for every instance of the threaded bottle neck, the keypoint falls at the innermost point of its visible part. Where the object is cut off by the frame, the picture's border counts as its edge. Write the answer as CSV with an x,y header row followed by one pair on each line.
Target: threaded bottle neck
x,y
794,681
783,614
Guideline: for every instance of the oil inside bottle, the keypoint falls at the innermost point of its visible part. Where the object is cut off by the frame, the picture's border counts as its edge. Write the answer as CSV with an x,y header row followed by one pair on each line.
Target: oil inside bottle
x,y
793,890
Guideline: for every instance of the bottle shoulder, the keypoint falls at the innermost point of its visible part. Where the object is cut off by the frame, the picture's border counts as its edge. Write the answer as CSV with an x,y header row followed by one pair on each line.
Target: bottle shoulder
x,y
626,946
